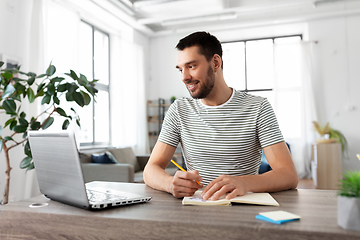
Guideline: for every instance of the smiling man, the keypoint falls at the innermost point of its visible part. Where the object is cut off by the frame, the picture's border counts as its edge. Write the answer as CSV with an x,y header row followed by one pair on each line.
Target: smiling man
x,y
222,133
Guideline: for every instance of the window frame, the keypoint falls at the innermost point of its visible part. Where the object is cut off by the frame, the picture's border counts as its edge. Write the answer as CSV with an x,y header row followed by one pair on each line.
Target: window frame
x,y
100,87
257,39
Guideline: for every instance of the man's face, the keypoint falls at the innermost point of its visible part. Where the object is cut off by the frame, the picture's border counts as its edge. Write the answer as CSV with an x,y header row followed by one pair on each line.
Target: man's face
x,y
196,72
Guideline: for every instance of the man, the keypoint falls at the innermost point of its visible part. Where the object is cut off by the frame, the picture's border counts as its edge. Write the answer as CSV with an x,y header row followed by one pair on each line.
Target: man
x,y
221,132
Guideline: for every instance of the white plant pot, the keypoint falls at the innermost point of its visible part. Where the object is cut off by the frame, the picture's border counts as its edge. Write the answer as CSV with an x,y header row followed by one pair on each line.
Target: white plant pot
x,y
348,215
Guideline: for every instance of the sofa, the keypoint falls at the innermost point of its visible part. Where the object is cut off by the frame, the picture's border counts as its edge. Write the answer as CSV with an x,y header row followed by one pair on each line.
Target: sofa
x,y
115,165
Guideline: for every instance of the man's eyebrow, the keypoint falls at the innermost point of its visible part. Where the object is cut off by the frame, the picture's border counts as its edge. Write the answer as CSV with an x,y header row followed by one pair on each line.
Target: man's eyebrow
x,y
188,63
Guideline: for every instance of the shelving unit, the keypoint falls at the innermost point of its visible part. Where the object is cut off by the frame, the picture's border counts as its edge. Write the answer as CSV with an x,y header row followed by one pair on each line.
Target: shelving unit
x,y
156,110
155,116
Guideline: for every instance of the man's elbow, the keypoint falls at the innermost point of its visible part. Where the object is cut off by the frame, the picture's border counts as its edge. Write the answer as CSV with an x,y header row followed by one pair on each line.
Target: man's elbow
x,y
293,180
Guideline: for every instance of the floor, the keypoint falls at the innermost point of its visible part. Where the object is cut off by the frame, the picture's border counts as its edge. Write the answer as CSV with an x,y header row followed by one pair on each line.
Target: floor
x,y
306,184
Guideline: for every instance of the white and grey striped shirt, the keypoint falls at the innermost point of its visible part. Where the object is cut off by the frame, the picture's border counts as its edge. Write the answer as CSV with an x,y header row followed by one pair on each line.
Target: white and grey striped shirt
x,y
225,139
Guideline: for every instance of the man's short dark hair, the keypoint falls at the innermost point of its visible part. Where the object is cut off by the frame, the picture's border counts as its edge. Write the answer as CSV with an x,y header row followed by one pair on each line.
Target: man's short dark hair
x,y
207,43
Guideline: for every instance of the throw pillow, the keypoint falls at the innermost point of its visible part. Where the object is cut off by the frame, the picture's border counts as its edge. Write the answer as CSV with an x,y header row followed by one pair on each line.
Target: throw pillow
x,y
105,157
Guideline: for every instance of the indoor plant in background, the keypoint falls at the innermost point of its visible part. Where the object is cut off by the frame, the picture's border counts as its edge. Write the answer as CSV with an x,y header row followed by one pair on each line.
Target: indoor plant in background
x,y
330,135
14,90
348,215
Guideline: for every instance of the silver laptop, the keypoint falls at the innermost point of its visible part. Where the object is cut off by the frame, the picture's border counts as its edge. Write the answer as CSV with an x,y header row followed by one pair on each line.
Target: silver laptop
x,y
60,176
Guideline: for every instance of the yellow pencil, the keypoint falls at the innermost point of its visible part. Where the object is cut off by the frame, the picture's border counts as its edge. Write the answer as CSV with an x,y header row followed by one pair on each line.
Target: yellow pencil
x,y
176,164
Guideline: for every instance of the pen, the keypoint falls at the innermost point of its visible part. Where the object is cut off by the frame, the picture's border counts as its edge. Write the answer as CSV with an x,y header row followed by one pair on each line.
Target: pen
x,y
175,163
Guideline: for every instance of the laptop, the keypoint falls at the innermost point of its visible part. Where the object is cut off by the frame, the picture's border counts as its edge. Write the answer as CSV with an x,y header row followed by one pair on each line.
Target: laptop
x,y
60,176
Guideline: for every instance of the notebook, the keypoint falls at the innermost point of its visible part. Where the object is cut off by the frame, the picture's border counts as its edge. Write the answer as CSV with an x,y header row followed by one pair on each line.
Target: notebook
x,y
60,176
249,198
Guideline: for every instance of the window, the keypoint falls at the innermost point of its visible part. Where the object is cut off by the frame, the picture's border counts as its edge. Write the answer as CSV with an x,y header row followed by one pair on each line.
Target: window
x,y
269,68
94,55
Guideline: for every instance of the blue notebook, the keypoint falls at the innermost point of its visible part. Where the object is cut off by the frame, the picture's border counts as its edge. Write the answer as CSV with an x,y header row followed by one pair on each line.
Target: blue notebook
x,y
277,217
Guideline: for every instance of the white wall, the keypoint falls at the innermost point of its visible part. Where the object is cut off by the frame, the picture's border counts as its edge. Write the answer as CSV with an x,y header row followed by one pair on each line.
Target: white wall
x,y
338,78
337,75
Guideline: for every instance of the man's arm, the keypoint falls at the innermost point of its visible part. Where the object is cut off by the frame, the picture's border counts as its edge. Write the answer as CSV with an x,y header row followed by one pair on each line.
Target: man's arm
x,y
283,176
181,185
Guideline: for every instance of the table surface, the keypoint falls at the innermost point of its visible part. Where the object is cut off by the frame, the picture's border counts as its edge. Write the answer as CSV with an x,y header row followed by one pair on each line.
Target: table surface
x,y
164,217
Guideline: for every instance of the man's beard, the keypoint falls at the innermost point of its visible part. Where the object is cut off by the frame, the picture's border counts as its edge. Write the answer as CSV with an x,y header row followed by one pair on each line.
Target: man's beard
x,y
206,86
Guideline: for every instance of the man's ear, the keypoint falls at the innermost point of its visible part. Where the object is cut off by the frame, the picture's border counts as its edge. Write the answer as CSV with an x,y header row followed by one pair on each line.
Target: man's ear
x,y
216,62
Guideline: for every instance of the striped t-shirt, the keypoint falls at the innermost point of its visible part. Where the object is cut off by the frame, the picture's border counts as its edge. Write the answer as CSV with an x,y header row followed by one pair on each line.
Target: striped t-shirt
x,y
225,139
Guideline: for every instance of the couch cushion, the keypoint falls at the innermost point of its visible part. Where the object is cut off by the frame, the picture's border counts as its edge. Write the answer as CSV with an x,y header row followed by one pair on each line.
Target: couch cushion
x,y
105,157
125,155
85,157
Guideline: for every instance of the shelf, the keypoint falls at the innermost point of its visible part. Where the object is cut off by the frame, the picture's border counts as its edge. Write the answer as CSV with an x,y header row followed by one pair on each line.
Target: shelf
x,y
157,105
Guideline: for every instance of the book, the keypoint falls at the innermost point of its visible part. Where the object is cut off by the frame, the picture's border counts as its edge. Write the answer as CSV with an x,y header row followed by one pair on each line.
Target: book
x,y
249,198
277,217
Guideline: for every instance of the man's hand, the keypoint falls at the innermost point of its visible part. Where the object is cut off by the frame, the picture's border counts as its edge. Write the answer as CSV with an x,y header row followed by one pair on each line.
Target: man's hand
x,y
184,184
234,185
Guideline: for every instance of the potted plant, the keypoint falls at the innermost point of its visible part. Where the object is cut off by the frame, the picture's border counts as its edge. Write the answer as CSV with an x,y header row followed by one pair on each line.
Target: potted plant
x,y
172,99
348,216
16,87
330,135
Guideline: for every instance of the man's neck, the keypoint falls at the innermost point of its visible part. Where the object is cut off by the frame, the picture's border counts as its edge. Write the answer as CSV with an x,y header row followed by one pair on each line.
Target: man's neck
x,y
218,96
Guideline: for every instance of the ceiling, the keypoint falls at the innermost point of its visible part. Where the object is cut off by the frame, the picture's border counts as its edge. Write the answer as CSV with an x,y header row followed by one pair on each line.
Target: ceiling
x,y
156,17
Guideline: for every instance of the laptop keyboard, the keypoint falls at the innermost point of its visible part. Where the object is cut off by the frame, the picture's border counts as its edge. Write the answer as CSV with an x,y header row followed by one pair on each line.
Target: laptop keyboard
x,y
95,196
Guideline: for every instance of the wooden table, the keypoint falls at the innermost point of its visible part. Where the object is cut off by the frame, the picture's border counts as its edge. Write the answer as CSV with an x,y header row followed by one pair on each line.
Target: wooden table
x,y
164,217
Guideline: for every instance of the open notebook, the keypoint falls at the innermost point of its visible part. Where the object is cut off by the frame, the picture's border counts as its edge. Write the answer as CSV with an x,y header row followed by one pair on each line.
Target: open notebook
x,y
249,198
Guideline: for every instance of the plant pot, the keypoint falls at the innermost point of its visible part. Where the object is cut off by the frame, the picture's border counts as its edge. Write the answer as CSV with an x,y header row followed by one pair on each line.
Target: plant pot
x,y
348,215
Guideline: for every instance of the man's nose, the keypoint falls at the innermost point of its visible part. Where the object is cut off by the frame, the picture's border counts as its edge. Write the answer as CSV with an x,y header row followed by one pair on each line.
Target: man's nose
x,y
185,75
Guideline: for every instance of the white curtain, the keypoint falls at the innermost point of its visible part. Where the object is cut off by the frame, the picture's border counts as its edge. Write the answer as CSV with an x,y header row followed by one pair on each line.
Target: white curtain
x,y
36,64
128,99
294,100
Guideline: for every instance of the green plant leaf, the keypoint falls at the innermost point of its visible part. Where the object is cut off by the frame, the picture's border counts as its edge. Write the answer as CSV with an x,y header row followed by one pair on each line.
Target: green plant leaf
x,y
56,100
9,105
9,90
13,124
19,129
51,70
57,79
8,122
35,125
65,124
87,98
78,122
30,167
46,99
8,138
31,80
31,95
61,112
25,134
1,63
41,75
51,89
25,162
61,87
7,75
83,80
40,87
23,122
19,87
69,97
47,123
27,149
22,114
79,99
73,75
